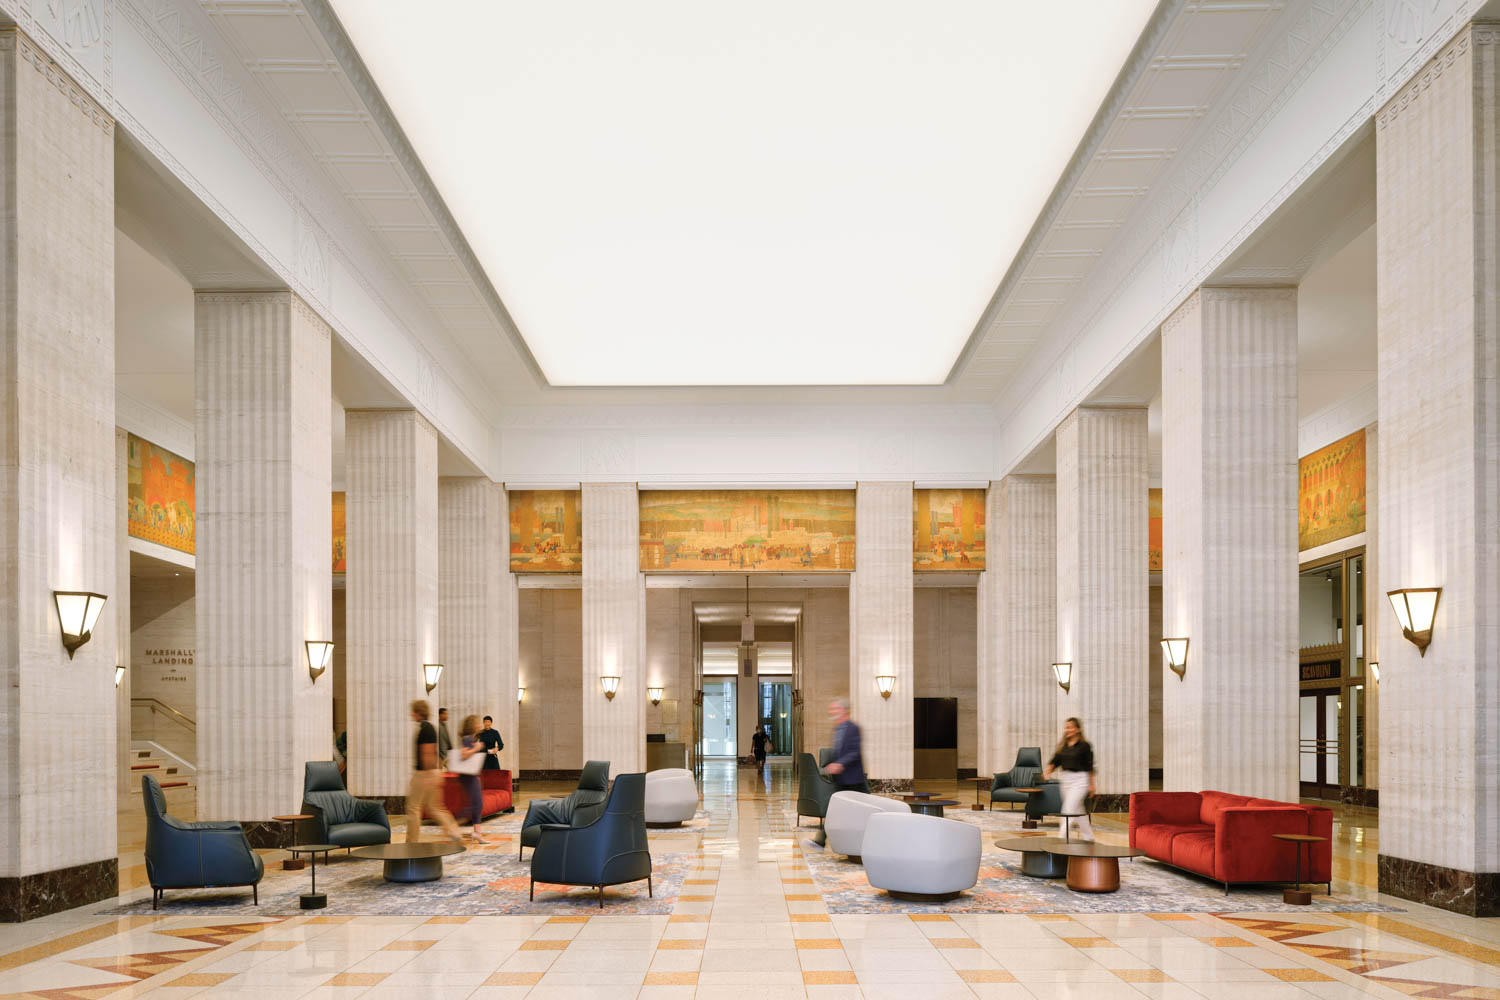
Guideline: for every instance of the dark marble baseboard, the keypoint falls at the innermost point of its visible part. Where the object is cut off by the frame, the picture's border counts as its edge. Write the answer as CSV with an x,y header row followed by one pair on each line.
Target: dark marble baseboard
x,y
1110,802
552,774
27,897
879,785
1474,894
1350,795
268,834
965,773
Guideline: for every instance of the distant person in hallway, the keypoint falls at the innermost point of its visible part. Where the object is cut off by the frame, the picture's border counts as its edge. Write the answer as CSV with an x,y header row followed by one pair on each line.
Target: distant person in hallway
x,y
445,738
468,735
1074,761
493,744
760,745
848,765
426,787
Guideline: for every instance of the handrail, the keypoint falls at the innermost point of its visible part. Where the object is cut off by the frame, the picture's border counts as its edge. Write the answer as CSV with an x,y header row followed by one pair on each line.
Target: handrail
x,y
152,704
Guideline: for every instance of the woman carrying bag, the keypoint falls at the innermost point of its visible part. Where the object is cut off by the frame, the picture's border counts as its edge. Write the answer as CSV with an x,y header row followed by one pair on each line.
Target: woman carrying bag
x,y
467,760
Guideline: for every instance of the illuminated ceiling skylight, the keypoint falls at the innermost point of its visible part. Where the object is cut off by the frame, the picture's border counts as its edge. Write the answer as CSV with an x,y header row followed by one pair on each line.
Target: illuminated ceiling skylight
x,y
768,193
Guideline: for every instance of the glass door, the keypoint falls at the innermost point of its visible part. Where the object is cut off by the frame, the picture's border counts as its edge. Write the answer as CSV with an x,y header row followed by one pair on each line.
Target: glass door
x,y
776,712
1319,759
719,717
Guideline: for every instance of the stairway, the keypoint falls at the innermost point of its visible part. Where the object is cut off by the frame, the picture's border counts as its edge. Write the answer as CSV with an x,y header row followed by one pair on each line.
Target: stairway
x,y
177,778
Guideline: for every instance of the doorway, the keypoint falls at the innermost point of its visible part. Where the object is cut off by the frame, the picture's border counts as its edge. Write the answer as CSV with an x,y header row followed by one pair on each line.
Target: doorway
x,y
1319,720
776,712
719,713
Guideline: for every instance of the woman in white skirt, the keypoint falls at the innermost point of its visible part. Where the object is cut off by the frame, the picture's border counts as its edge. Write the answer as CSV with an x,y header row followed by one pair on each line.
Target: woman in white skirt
x,y
1074,760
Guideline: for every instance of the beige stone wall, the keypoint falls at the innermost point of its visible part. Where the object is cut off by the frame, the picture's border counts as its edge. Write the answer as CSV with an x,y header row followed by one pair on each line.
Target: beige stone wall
x,y
944,657
550,657
1157,677
57,448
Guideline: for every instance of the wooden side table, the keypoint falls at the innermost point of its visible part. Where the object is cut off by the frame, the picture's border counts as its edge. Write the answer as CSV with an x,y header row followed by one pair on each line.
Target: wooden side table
x,y
1027,823
981,785
293,863
1298,896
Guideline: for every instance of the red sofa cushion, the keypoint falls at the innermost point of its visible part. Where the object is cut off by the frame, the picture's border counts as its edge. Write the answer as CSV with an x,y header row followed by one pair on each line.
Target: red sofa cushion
x,y
495,785
1246,851
1214,803
1156,838
1195,851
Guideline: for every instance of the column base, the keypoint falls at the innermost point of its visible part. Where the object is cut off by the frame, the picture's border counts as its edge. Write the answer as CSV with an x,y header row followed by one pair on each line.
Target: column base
x,y
26,897
1110,802
1474,894
267,834
886,785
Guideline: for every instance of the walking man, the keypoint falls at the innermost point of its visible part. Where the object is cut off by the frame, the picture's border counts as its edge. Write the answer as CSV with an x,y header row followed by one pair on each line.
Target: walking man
x,y
848,766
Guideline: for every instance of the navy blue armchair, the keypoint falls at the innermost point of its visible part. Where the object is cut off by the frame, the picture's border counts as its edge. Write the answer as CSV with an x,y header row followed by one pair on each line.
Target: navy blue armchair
x,y
338,817
1026,772
194,855
814,788
579,808
611,850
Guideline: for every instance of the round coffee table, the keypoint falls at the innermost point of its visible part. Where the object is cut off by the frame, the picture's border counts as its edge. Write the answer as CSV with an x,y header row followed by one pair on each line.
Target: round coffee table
x,y
981,785
1298,896
1037,858
925,805
419,862
1094,867
314,900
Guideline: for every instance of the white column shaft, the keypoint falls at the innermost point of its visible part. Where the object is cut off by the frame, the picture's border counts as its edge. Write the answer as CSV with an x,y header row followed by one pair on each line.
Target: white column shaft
x,y
614,617
880,630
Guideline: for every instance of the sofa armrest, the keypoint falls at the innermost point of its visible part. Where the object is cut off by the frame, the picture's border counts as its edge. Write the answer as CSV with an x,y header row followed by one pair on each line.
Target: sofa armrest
x,y
225,857
370,811
493,779
1001,780
1246,851
1171,808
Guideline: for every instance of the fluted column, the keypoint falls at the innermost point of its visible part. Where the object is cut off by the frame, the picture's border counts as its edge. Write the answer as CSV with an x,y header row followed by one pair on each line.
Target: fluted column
x,y
880,631
614,618
391,590
1103,616
1018,620
121,600
1229,584
1437,154
476,607
263,582
57,488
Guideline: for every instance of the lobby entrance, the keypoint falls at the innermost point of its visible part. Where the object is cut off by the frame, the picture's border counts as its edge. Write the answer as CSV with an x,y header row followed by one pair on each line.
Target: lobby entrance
x,y
1332,669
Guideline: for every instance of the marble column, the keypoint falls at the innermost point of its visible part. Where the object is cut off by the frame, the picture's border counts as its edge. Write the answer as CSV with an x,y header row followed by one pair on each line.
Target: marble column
x,y
1018,621
880,631
1437,154
614,618
58,510
263,584
477,607
121,599
1229,545
390,592
1103,618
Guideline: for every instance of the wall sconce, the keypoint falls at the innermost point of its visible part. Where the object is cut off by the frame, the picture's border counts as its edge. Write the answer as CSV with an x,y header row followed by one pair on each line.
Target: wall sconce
x,y
1175,650
1415,609
610,683
520,695
119,674
885,683
77,611
430,674
1064,672
1375,670
655,695
319,655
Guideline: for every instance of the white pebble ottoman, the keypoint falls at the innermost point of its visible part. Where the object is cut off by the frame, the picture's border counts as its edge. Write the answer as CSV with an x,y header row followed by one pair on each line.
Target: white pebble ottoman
x,y
848,814
671,797
921,858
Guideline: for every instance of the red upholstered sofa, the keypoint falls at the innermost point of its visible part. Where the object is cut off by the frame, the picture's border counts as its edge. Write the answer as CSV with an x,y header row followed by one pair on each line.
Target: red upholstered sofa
x,y
1228,837
497,793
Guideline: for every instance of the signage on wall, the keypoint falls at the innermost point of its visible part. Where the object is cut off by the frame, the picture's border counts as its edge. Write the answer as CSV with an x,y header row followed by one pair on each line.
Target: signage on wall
x,y
1327,670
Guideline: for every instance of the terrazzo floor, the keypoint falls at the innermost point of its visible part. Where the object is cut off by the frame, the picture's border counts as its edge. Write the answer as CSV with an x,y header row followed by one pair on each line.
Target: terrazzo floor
x,y
749,921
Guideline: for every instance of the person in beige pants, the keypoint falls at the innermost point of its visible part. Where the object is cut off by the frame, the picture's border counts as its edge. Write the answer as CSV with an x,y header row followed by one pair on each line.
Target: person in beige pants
x,y
426,788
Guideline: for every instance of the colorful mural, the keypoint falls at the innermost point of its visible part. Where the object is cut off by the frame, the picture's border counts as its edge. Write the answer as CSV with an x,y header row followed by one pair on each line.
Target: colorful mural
x,y
947,530
747,531
1331,492
1153,531
160,496
546,531
338,533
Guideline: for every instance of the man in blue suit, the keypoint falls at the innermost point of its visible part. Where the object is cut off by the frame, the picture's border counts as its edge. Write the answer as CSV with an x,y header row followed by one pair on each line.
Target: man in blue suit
x,y
847,767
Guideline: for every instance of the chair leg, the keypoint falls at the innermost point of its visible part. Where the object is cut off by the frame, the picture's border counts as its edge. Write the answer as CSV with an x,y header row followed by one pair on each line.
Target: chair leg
x,y
532,897
255,893
648,888
601,897
155,897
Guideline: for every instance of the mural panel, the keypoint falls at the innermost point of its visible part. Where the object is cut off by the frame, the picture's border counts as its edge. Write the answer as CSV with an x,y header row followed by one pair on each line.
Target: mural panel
x,y
160,496
546,531
1154,561
338,533
747,531
947,530
1331,492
